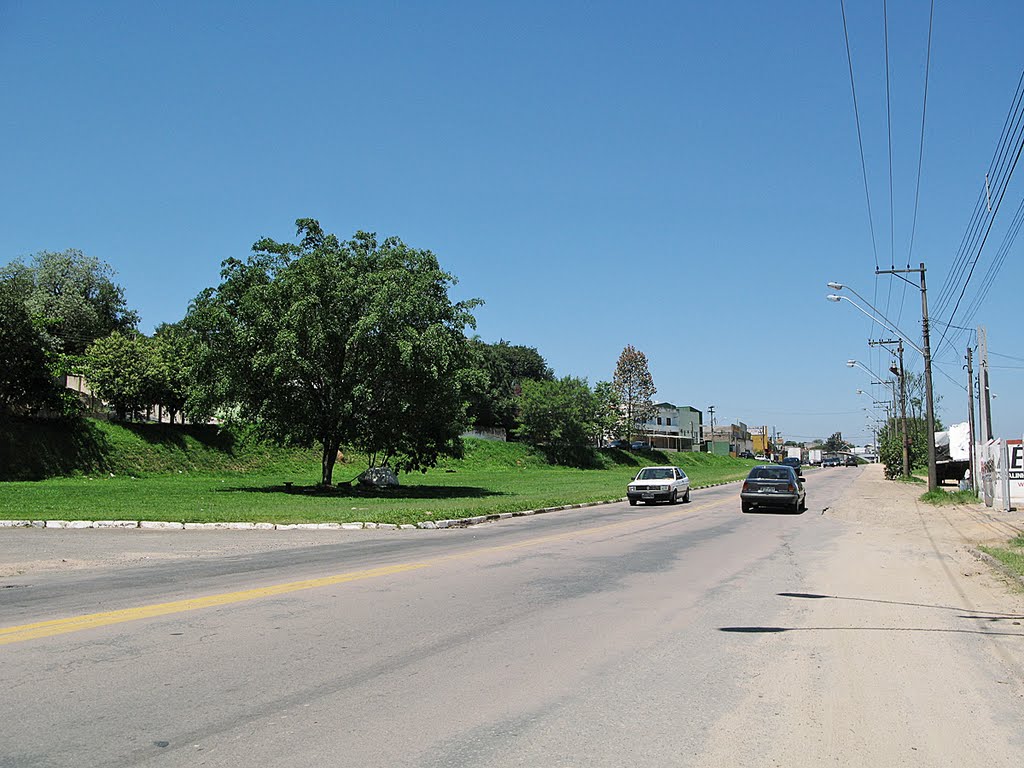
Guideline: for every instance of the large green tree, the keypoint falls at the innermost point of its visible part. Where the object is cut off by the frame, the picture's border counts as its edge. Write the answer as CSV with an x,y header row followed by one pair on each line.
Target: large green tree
x,y
609,412
73,297
835,443
503,367
560,417
174,349
338,342
27,359
122,370
634,386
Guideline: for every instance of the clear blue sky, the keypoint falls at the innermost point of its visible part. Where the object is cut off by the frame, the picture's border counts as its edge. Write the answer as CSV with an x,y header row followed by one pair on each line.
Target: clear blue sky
x,y
683,177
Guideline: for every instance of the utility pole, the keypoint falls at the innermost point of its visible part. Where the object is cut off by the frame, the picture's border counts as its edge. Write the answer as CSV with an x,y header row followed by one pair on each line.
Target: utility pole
x,y
711,410
903,399
903,414
933,478
970,419
984,393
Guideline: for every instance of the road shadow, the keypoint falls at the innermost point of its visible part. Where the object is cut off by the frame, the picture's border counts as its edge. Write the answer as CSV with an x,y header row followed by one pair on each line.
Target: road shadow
x,y
755,630
974,614
962,613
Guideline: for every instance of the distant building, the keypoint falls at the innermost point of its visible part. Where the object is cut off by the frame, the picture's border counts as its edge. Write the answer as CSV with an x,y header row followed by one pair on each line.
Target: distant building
x,y
761,441
674,428
729,438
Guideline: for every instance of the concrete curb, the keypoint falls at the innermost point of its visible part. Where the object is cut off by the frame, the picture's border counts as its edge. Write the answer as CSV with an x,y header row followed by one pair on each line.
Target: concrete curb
x,y
463,522
997,564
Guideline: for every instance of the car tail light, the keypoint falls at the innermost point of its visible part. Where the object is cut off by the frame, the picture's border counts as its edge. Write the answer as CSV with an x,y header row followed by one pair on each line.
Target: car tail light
x,y
791,488
746,487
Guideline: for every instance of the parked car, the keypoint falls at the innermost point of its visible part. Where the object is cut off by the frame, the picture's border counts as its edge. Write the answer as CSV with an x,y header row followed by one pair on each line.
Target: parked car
x,y
653,484
794,462
622,445
745,455
773,486
641,445
851,461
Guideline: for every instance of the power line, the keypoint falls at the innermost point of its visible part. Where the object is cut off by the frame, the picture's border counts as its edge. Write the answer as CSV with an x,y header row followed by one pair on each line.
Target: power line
x,y
997,263
991,220
860,140
924,112
995,177
1008,357
982,207
888,122
1012,135
982,204
920,155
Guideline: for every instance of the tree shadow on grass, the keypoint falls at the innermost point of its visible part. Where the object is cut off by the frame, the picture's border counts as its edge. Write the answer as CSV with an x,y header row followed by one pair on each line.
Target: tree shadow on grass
x,y
36,449
353,492
652,457
208,435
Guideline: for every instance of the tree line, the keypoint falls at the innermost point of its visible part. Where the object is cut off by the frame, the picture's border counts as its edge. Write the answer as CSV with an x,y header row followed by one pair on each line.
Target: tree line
x,y
322,341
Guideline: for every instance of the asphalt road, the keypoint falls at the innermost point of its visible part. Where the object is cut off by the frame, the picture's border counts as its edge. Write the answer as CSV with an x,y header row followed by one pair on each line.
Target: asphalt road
x,y
606,636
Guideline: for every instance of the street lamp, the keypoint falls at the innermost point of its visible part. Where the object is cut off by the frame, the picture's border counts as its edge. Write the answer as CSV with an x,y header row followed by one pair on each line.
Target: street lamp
x,y
886,403
879,317
876,380
903,421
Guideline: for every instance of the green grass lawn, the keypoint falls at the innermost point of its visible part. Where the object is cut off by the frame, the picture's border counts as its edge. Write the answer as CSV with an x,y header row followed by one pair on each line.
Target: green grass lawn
x,y
163,474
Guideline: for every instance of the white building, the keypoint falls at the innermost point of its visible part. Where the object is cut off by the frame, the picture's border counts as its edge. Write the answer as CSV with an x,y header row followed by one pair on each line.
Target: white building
x,y
674,428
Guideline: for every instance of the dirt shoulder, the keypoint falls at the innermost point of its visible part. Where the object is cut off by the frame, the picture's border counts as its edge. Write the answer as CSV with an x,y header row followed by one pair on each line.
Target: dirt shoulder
x,y
873,500
911,652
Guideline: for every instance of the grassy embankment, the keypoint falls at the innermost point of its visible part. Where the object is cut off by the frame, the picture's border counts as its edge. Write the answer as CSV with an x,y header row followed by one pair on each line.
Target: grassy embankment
x,y
101,471
1012,556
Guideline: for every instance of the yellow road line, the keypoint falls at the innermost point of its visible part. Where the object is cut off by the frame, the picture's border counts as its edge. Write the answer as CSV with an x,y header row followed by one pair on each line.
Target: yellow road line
x,y
92,620
23,632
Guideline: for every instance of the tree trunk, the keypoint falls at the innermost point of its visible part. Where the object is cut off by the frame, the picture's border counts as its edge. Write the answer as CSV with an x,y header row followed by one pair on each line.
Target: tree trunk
x,y
330,455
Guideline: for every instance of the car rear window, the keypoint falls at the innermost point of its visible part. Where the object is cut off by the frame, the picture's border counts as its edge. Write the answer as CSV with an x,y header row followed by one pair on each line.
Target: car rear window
x,y
769,473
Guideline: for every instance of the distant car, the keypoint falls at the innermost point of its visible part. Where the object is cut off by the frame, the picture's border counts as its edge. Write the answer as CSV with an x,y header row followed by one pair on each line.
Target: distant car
x,y
792,461
831,461
773,486
641,445
653,484
851,461
745,455
620,444
761,458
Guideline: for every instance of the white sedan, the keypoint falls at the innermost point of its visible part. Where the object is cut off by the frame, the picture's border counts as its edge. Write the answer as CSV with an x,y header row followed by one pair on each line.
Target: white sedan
x,y
653,484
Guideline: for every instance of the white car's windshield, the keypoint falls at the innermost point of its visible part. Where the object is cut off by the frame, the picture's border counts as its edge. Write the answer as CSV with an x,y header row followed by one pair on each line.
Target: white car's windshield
x,y
655,474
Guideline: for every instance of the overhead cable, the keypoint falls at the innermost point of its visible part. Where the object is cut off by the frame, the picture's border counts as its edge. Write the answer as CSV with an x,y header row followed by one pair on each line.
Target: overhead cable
x,y
1001,168
860,140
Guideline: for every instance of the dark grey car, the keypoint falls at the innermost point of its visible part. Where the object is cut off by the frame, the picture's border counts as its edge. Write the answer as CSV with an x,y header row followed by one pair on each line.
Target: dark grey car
x,y
774,486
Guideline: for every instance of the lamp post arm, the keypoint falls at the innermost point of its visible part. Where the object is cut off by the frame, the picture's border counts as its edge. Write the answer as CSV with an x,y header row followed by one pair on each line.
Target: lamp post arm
x,y
879,320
